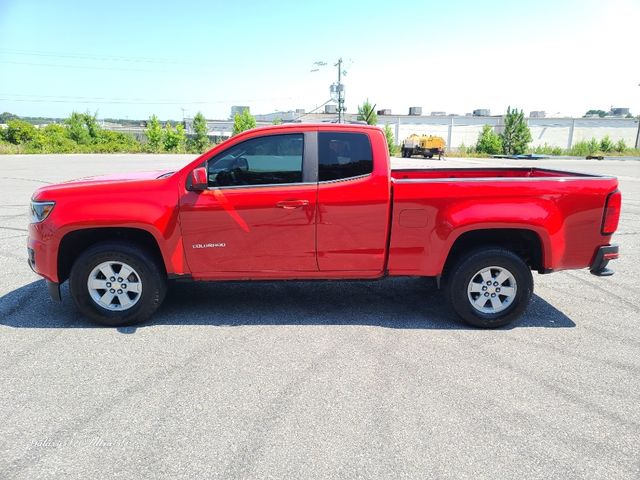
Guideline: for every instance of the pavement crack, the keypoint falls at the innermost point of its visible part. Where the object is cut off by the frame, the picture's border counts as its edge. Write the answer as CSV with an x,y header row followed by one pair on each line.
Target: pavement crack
x,y
26,180
632,305
15,229
34,454
13,236
243,461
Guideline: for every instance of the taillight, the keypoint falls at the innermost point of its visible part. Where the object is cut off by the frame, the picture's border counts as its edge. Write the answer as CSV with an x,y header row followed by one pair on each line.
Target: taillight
x,y
611,213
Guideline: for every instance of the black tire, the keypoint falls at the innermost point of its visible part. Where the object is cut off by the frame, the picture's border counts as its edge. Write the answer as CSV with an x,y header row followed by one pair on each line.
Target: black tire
x,y
467,269
151,277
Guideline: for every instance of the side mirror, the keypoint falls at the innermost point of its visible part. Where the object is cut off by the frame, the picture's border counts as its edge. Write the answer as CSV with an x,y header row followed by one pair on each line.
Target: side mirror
x,y
198,180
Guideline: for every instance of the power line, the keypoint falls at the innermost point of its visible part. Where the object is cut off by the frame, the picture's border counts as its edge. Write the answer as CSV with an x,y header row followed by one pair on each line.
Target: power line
x,y
314,110
86,67
83,56
103,102
132,101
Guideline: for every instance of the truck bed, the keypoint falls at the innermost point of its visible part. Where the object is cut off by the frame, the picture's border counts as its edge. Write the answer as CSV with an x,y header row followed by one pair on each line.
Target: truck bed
x,y
483,173
436,206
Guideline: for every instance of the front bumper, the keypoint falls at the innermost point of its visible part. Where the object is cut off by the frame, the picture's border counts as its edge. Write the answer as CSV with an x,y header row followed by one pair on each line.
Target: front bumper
x,y
52,287
42,250
603,256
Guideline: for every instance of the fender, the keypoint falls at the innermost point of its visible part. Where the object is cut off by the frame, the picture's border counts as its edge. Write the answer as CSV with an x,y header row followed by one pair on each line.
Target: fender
x,y
541,217
145,206
451,219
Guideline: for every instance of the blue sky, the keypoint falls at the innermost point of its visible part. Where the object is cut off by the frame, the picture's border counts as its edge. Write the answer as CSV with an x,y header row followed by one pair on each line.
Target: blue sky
x,y
135,58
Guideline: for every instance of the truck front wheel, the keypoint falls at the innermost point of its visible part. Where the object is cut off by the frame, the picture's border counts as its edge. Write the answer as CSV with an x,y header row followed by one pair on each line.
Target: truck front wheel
x,y
116,284
490,287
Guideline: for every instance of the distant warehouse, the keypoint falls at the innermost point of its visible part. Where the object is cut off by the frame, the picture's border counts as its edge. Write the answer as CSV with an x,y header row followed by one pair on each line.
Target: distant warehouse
x,y
460,130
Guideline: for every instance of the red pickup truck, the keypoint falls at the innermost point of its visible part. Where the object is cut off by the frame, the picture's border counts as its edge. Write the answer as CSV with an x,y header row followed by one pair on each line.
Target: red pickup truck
x,y
304,201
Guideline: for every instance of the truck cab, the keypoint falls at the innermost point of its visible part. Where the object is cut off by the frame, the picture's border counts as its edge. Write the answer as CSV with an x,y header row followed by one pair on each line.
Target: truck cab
x,y
309,201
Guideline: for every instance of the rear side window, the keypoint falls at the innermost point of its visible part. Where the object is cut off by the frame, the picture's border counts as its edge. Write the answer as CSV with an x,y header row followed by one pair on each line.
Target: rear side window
x,y
343,155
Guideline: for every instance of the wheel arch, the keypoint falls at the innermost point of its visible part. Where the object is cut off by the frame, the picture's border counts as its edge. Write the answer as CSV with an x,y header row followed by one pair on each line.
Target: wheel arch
x,y
75,242
488,309
526,243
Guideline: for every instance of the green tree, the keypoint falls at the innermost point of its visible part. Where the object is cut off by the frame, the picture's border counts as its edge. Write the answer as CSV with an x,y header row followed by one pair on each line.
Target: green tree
x,y
243,121
606,145
621,146
154,134
600,113
366,113
463,150
91,123
391,139
53,138
77,130
110,142
174,139
489,142
277,121
19,131
83,127
201,140
6,116
516,134
584,148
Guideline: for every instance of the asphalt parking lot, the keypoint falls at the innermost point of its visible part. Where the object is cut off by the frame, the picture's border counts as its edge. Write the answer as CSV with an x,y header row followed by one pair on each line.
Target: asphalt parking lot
x,y
333,380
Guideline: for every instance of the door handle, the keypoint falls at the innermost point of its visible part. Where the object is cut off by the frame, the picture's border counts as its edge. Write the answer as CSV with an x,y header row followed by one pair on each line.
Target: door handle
x,y
291,204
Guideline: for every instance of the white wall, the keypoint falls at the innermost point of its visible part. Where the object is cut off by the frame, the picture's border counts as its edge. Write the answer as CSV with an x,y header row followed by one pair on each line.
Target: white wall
x,y
555,132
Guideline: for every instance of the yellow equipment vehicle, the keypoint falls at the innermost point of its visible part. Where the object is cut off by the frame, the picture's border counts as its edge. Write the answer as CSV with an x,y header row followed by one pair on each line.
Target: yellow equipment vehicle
x,y
425,145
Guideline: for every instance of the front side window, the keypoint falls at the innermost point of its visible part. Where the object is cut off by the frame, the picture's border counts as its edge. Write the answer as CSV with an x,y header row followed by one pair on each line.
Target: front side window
x,y
343,155
259,161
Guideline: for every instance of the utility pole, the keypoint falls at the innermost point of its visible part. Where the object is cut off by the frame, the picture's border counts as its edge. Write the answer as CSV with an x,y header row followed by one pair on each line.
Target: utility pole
x,y
340,97
337,88
638,134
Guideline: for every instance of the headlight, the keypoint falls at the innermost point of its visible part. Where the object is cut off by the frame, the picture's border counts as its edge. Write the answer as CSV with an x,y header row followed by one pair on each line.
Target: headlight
x,y
40,210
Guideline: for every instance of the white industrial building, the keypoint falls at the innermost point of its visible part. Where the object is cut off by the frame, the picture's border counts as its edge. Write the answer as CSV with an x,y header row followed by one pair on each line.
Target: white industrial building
x,y
554,132
460,130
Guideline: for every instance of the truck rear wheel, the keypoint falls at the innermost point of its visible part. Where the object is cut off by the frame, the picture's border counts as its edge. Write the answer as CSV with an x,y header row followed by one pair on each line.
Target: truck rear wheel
x,y
490,287
116,284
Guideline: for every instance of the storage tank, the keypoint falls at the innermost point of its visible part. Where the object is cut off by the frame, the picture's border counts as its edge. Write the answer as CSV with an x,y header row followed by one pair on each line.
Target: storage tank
x,y
619,111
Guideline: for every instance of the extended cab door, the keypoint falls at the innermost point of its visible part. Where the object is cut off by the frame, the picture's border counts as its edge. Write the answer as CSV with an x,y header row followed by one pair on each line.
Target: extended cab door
x,y
353,200
258,213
